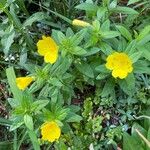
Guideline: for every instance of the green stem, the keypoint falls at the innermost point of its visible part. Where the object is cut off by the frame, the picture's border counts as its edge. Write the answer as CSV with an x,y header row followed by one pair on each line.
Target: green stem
x,y
55,13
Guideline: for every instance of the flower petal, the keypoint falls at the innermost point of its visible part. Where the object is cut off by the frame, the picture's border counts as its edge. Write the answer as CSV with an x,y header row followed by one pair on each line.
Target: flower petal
x,y
50,131
50,57
47,44
119,73
110,65
120,63
23,82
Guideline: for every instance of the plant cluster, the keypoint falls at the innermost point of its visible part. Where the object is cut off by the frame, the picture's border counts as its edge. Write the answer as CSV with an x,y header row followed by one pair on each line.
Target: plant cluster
x,y
75,81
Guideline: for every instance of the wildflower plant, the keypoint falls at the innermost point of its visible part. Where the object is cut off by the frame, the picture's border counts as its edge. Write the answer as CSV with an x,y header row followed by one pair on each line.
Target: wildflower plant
x,y
96,52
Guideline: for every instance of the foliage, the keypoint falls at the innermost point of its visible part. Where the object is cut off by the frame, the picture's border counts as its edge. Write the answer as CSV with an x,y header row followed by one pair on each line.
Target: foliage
x,y
93,108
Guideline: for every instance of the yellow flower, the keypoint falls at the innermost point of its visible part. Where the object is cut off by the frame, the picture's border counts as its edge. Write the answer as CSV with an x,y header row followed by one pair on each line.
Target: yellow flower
x,y
48,48
23,82
50,131
120,64
81,23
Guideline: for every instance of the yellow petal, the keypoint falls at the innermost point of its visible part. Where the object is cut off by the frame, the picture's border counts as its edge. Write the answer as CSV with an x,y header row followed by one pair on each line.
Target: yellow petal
x,y
23,82
47,44
119,73
120,64
50,57
109,65
81,23
50,131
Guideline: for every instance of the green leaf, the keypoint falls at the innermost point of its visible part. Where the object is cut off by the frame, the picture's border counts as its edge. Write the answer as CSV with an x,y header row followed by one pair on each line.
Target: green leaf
x,y
113,4
30,67
102,76
61,66
23,58
27,99
2,4
96,25
87,7
92,51
132,1
135,56
54,96
12,82
34,140
106,3
60,36
106,25
145,49
13,102
21,5
88,108
55,82
15,17
74,108
130,49
78,37
69,32
109,34
146,54
62,113
130,79
61,145
78,51
140,129
128,84
35,17
148,134
5,145
8,39
15,140
72,117
38,105
108,88
45,91
85,69
144,40
129,143
124,32
125,10
148,138
36,85
143,33
105,48
15,125
141,67
101,12
28,121
102,69
5,122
